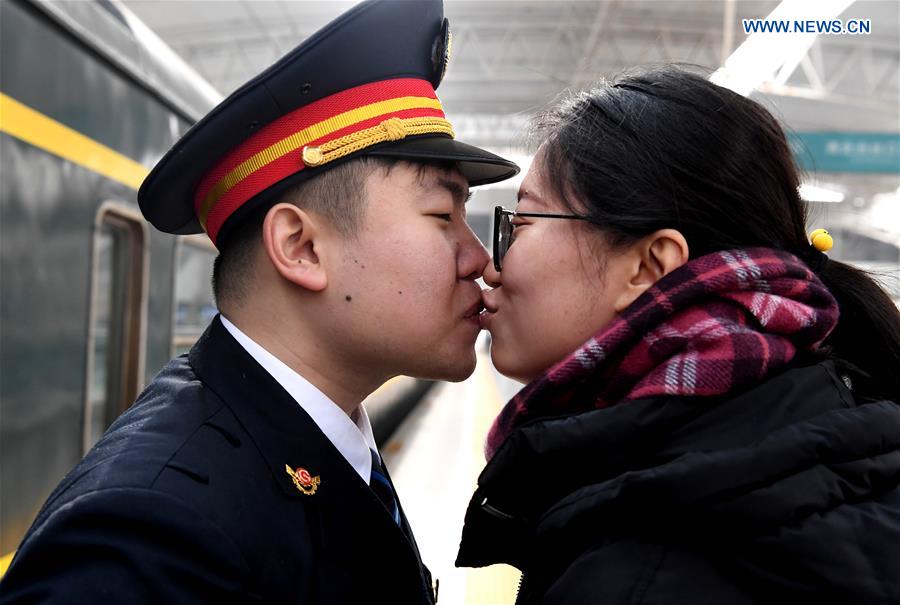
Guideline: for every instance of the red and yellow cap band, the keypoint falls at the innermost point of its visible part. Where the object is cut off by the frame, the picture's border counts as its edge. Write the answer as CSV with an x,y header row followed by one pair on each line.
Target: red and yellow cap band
x,y
315,134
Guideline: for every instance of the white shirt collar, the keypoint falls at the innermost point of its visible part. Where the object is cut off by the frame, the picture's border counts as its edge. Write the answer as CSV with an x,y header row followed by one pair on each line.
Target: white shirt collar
x,y
352,439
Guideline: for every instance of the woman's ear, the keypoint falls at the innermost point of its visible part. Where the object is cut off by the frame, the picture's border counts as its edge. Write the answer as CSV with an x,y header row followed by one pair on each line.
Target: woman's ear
x,y
292,239
649,260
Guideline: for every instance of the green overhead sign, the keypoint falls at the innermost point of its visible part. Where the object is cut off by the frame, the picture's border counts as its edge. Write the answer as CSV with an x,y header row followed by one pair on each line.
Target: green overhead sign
x,y
846,151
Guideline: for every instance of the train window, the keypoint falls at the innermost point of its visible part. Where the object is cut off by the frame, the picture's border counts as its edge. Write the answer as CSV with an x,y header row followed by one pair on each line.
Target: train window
x,y
118,318
195,305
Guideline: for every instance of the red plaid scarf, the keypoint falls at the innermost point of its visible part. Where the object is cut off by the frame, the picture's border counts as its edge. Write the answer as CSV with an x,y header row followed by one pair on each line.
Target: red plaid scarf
x,y
716,325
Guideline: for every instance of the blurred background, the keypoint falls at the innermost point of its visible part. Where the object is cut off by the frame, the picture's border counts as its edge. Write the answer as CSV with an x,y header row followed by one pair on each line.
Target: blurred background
x,y
94,301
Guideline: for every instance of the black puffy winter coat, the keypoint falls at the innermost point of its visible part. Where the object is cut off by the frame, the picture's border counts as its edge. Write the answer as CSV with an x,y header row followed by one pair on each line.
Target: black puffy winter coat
x,y
787,493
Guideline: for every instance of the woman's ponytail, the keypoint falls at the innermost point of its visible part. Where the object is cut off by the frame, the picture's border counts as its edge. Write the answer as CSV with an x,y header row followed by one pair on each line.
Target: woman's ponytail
x,y
867,337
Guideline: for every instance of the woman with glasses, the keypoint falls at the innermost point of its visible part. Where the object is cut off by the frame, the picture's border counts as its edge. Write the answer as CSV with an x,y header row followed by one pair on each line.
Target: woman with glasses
x,y
709,413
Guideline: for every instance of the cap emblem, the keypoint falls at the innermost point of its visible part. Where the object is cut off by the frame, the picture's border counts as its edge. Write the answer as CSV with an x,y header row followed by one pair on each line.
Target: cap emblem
x,y
440,53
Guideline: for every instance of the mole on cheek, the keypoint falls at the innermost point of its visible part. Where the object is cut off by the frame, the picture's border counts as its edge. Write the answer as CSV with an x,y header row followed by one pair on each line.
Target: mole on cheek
x,y
348,298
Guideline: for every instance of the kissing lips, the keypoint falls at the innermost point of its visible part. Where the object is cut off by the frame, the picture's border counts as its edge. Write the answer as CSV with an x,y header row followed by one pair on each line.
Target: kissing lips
x,y
474,310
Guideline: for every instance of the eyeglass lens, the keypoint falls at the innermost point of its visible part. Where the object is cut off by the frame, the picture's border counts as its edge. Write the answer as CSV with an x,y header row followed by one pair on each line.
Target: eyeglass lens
x,y
506,234
503,236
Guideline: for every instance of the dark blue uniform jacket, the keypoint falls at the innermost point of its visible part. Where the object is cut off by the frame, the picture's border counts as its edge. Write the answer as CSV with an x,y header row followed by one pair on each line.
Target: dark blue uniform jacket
x,y
186,499
786,493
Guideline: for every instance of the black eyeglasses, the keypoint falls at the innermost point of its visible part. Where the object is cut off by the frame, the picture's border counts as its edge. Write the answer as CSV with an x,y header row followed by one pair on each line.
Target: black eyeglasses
x,y
504,234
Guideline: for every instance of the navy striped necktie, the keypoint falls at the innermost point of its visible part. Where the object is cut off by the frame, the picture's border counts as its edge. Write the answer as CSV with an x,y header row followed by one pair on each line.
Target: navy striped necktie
x,y
382,487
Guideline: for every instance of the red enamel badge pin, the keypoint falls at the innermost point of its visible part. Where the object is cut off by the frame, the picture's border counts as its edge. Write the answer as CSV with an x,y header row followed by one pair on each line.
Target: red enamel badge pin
x,y
306,483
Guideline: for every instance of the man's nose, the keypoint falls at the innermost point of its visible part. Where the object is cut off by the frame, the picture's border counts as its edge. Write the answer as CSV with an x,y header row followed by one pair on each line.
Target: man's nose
x,y
472,256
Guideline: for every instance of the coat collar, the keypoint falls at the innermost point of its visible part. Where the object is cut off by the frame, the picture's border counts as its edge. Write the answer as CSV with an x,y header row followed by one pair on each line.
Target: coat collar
x,y
353,438
283,432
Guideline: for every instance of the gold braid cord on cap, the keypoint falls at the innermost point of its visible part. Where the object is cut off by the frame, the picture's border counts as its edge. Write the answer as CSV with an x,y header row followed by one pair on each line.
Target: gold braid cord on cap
x,y
392,129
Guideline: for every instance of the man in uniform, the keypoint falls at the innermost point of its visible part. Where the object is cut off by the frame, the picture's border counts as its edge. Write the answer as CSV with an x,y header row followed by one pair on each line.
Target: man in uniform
x,y
246,471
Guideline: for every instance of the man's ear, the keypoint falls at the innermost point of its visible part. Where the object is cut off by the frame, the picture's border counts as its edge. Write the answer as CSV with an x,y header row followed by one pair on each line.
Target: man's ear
x,y
650,259
292,240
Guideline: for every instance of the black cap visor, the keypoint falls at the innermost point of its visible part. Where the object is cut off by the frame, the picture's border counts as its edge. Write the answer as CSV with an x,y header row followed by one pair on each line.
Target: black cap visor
x,y
480,167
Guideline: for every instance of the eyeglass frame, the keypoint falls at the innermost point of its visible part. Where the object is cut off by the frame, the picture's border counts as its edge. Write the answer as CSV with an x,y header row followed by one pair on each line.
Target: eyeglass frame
x,y
499,216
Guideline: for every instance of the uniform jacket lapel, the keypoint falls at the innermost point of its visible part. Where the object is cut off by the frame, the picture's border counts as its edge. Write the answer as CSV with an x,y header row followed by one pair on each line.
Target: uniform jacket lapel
x,y
282,431
343,509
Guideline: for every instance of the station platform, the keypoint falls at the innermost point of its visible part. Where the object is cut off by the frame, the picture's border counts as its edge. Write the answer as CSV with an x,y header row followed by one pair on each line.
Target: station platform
x,y
435,458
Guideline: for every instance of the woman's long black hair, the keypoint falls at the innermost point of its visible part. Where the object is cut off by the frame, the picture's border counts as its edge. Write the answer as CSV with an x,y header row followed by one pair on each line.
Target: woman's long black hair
x,y
661,147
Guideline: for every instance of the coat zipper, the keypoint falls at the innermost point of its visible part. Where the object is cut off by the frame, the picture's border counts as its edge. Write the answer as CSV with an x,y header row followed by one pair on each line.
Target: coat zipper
x,y
499,514
519,592
495,512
